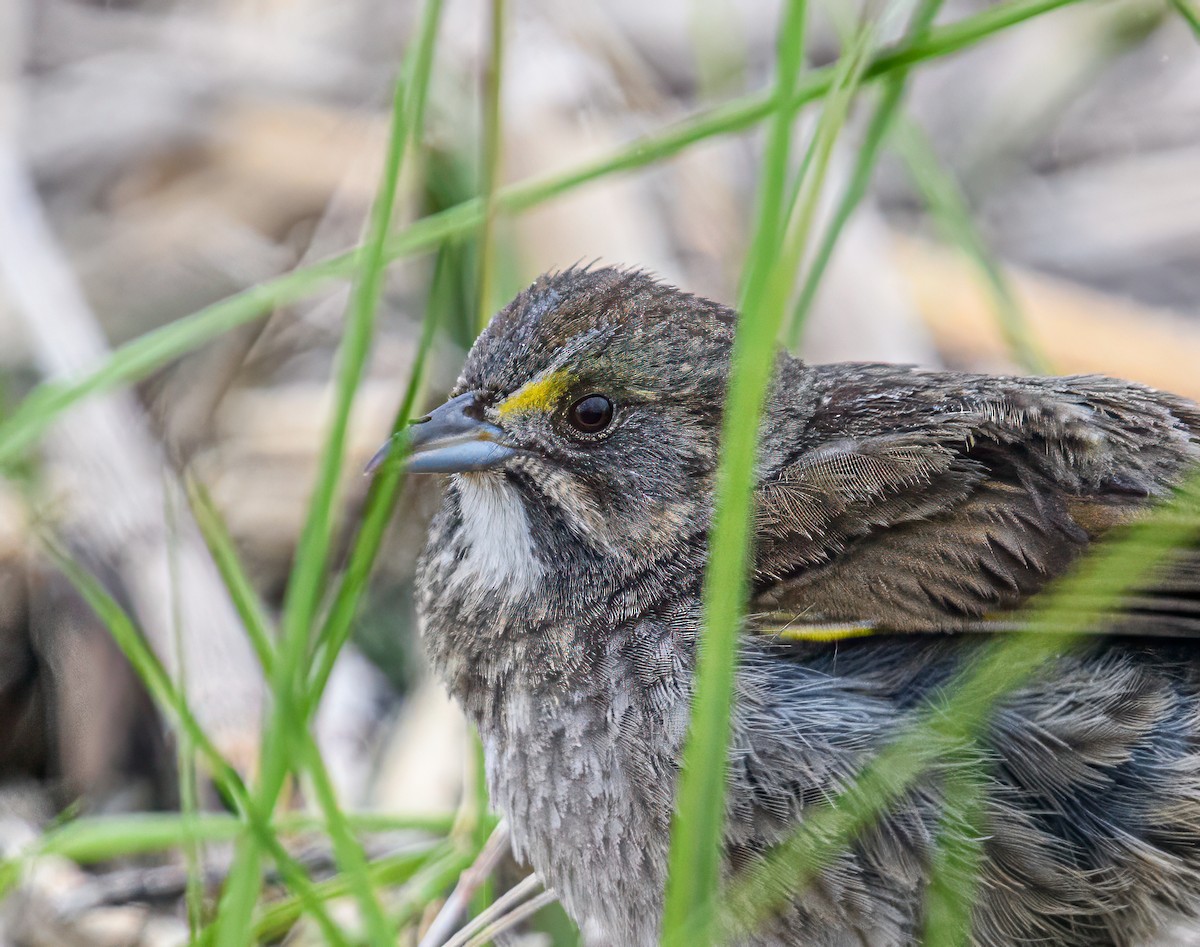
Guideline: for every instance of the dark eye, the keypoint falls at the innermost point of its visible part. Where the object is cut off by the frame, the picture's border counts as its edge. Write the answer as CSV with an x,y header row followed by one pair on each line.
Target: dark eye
x,y
591,415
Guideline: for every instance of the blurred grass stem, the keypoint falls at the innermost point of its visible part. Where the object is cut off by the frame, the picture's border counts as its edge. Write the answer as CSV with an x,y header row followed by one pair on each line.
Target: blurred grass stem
x,y
948,205
139,358
890,97
489,162
694,864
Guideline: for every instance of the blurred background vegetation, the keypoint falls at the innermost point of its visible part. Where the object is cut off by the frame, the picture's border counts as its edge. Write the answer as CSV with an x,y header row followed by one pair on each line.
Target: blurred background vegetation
x,y
1035,204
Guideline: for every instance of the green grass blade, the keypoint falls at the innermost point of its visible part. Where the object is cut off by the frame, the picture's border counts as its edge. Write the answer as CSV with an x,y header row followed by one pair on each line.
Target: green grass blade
x,y
694,868
743,113
890,98
185,752
287,730
419,70
432,882
475,809
954,871
1062,618
99,838
381,502
388,482
694,865
312,555
144,662
189,804
276,919
771,209
1189,14
307,579
946,201
351,858
490,164
243,886
158,682
148,353
245,599
851,72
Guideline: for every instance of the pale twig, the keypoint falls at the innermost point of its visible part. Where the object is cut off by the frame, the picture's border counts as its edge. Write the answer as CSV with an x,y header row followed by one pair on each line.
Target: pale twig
x,y
512,918
496,912
468,883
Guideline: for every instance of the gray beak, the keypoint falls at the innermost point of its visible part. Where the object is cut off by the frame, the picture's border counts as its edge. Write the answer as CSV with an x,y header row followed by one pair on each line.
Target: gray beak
x,y
453,438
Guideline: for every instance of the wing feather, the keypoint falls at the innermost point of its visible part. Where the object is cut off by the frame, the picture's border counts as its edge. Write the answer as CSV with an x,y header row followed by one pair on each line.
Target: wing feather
x,y
919,501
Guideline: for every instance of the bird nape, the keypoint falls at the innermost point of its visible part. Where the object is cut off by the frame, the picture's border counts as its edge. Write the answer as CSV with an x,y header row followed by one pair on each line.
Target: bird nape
x,y
560,595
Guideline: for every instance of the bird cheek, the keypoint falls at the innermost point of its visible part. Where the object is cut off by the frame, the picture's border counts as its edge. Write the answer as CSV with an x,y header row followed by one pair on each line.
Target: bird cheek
x,y
526,433
671,519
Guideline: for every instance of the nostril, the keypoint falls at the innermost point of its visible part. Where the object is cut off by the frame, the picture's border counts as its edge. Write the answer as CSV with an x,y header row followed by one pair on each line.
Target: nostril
x,y
474,408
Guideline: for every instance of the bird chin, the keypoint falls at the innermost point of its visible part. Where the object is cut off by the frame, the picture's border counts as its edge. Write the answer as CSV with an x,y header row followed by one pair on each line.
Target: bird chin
x,y
499,544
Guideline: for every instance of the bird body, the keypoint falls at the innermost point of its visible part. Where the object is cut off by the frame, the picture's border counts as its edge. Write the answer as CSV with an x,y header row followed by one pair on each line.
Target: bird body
x,y
561,590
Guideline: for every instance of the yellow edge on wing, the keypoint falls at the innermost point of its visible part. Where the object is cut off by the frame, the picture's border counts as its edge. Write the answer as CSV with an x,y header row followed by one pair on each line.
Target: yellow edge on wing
x,y
540,394
824,633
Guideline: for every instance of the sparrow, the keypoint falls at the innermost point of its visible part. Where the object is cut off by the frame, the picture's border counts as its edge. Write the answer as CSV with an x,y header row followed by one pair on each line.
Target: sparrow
x,y
898,513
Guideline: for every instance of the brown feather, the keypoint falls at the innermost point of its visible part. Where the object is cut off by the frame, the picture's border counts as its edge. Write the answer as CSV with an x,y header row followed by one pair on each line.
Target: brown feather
x,y
958,498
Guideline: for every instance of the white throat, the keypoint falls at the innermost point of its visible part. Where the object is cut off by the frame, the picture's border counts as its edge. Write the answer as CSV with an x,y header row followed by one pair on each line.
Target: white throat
x,y
499,548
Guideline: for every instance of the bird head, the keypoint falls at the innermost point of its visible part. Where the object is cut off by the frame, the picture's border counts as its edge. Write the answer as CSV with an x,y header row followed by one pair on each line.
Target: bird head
x,y
597,394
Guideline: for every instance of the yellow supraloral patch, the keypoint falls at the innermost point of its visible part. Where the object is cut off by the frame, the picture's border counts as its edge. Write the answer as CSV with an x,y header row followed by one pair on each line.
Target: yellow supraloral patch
x,y
541,394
